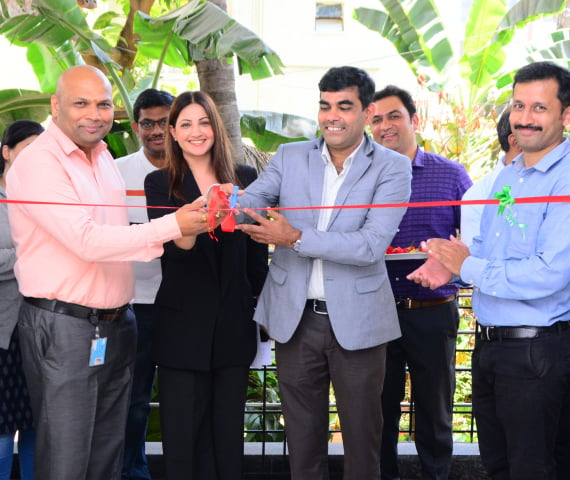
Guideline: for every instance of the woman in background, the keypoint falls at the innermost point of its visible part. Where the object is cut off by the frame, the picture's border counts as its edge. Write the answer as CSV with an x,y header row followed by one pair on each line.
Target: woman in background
x,y
205,338
15,411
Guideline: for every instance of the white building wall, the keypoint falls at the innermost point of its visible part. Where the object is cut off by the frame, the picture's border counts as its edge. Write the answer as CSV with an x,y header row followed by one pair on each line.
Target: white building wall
x,y
288,27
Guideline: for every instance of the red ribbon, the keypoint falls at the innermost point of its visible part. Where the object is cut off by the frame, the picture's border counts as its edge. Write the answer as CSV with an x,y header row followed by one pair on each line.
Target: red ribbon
x,y
446,203
218,201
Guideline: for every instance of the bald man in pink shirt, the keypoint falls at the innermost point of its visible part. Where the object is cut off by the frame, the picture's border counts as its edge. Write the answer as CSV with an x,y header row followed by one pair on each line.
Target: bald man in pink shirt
x,y
78,334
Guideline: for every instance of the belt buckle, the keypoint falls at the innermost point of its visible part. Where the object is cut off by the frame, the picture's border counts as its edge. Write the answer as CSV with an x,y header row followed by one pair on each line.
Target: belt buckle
x,y
106,315
316,310
486,333
405,303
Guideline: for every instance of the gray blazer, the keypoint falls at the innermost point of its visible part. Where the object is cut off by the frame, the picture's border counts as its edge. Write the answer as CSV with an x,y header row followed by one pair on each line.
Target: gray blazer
x,y
10,298
359,298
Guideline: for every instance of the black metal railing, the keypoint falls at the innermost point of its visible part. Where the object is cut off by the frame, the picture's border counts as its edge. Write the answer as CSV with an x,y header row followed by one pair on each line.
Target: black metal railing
x,y
264,417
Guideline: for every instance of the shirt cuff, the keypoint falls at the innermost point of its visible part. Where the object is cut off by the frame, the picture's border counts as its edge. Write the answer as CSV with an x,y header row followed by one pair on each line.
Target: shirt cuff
x,y
165,229
472,270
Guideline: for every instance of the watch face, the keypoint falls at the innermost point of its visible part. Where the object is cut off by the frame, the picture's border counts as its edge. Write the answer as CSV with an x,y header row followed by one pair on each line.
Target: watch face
x,y
296,245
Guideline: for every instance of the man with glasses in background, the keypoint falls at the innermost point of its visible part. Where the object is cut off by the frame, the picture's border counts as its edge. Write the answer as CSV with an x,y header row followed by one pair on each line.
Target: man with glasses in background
x,y
150,113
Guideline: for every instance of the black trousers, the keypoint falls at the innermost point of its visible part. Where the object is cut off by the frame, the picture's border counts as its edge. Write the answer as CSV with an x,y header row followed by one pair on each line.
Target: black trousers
x,y
562,449
306,366
520,395
427,346
202,416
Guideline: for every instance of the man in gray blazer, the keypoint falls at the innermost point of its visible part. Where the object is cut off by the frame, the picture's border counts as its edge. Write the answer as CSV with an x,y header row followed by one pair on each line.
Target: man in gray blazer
x,y
327,301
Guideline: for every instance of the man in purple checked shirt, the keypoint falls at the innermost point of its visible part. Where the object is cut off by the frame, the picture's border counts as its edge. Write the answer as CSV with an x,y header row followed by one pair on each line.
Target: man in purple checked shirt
x,y
429,319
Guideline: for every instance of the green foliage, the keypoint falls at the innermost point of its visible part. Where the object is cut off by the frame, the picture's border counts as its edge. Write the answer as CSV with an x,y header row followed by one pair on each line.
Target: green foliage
x,y
463,423
121,140
469,79
192,24
17,104
58,36
263,418
268,130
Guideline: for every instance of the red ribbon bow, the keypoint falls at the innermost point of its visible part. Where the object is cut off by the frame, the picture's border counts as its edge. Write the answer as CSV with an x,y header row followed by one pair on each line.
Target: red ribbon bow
x,y
218,202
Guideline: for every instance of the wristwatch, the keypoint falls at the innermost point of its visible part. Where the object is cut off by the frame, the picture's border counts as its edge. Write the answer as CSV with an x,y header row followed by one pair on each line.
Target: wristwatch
x,y
297,244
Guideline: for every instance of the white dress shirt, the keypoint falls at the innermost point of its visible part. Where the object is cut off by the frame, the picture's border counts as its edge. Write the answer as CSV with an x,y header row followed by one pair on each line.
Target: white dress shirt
x,y
331,184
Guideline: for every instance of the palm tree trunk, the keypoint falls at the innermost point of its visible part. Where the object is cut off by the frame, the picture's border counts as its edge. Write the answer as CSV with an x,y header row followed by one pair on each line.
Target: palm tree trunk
x,y
217,80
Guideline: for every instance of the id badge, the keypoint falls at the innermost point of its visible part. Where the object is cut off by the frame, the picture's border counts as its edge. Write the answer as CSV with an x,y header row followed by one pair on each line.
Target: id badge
x,y
98,347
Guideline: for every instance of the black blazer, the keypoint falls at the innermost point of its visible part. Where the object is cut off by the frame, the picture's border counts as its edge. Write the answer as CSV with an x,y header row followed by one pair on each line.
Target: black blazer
x,y
205,302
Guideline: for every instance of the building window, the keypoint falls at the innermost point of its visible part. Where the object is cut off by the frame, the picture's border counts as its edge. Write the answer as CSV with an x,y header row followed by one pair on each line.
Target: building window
x,y
328,17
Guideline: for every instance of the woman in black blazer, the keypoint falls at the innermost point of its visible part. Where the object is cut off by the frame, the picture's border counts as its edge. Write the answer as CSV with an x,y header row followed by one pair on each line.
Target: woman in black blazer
x,y
205,338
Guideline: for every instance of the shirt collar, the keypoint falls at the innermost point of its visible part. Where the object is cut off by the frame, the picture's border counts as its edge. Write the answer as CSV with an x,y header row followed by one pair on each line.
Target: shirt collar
x,y
326,156
552,157
68,146
419,158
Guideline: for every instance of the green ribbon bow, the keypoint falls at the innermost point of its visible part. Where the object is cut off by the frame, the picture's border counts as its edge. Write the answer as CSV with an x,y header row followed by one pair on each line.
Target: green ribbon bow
x,y
506,202
505,199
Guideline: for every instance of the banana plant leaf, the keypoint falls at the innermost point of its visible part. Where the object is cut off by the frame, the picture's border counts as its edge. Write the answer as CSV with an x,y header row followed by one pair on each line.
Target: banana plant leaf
x,y
48,63
56,34
16,104
196,31
414,28
417,31
207,32
489,30
526,11
268,130
558,51
50,22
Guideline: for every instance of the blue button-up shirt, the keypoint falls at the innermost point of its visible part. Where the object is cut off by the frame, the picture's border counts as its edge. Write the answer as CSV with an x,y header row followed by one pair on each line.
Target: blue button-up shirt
x,y
434,178
521,273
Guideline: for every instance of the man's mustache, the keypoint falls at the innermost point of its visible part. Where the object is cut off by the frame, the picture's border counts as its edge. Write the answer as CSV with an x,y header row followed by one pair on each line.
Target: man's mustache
x,y
528,127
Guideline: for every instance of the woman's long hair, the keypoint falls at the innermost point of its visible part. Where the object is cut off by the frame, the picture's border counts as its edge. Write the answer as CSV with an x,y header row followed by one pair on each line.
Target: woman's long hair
x,y
221,155
15,133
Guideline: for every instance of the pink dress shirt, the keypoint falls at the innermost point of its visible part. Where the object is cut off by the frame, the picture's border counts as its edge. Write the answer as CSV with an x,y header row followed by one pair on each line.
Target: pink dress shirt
x,y
77,253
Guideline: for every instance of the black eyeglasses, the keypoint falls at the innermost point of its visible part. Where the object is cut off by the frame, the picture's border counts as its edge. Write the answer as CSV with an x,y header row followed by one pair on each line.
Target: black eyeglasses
x,y
149,124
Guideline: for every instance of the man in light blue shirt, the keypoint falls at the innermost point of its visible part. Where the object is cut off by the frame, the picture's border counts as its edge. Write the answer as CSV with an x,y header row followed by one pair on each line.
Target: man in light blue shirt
x,y
520,268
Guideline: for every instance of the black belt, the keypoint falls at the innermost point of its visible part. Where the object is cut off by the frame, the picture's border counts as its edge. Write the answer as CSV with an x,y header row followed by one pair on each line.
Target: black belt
x,y
317,306
411,303
491,334
79,311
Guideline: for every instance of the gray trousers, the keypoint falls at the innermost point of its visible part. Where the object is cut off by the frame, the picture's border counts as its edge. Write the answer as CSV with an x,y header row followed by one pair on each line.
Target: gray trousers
x,y
306,366
79,411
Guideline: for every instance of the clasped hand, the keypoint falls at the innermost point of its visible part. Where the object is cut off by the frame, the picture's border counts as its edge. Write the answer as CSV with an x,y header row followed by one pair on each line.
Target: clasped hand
x,y
445,258
193,217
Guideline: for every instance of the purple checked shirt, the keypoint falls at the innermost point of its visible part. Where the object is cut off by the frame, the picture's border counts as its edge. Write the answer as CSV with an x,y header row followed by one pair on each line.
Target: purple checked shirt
x,y
434,178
